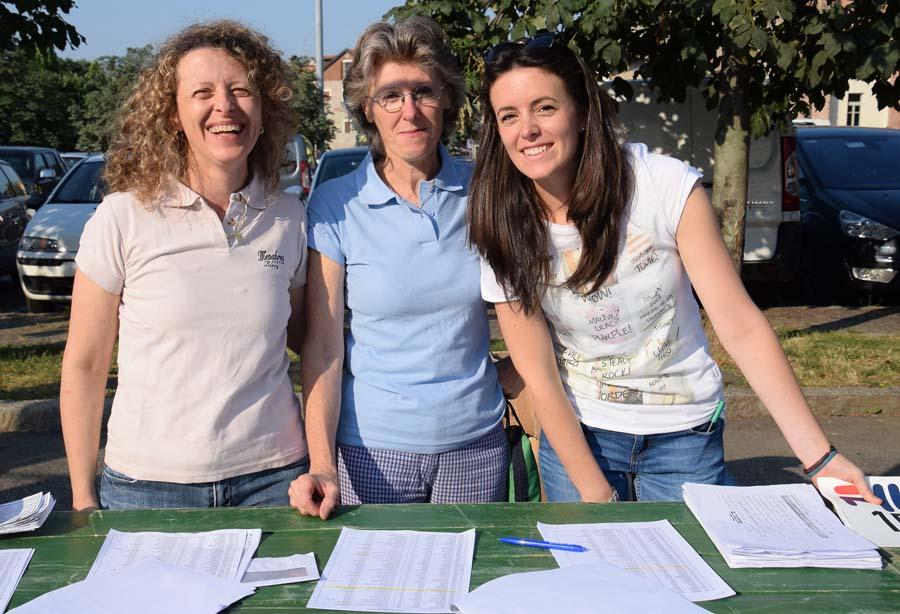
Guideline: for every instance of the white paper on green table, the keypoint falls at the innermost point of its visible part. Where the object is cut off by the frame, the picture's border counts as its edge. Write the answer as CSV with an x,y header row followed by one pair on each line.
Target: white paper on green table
x,y
654,550
281,570
13,562
576,589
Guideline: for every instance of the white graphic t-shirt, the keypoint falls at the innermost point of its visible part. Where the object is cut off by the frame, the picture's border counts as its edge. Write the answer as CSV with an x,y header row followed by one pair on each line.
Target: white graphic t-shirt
x,y
632,356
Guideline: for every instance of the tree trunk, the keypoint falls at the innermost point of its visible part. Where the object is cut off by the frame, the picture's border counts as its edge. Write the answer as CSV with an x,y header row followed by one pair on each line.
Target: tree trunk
x,y
732,152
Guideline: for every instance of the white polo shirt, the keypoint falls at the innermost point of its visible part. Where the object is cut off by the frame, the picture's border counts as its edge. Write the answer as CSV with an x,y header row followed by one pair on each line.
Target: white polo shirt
x,y
203,388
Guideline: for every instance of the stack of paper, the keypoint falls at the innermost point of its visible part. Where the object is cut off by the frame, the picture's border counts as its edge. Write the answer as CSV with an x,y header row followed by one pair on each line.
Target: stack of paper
x,y
26,514
784,525
12,565
225,553
578,589
147,587
880,524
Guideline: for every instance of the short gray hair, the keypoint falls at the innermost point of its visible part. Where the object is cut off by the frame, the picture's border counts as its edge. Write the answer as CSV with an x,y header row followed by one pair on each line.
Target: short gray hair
x,y
418,40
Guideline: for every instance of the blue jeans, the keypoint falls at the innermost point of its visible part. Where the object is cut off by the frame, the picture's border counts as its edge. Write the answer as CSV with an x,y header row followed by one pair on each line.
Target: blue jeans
x,y
269,487
643,467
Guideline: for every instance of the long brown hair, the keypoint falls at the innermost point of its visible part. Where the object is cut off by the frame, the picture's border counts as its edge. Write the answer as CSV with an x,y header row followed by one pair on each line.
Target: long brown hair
x,y
147,150
507,220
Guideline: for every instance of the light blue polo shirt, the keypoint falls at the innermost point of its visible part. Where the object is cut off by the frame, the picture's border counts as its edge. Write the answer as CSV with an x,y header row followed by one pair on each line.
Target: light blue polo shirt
x,y
417,375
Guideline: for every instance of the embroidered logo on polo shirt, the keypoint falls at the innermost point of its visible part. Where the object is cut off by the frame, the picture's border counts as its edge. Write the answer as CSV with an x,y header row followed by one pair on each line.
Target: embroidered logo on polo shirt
x,y
272,260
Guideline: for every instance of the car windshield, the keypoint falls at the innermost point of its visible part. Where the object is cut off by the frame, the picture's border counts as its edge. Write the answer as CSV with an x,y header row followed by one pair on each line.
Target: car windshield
x,y
850,162
22,162
338,166
83,185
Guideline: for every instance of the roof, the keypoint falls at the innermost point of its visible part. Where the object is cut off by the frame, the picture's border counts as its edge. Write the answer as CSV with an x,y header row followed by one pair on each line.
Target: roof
x,y
25,148
334,59
841,131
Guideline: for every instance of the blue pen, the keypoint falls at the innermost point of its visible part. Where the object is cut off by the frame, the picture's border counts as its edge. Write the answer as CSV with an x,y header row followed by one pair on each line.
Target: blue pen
x,y
536,543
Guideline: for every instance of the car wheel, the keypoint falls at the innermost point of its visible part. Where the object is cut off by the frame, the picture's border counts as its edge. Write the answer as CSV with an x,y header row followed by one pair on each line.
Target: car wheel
x,y
823,272
34,306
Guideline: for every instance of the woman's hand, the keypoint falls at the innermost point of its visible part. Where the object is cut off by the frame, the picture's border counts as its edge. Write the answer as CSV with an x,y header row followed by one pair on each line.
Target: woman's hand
x,y
85,503
315,494
603,493
842,468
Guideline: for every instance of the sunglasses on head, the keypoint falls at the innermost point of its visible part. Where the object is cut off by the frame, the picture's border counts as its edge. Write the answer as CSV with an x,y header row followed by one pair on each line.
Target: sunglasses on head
x,y
541,40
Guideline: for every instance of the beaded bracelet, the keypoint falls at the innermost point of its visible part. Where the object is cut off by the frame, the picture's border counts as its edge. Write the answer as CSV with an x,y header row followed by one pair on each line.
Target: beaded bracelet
x,y
817,466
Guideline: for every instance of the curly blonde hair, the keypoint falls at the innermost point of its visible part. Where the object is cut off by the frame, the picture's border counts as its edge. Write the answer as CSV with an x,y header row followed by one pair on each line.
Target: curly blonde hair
x,y
147,149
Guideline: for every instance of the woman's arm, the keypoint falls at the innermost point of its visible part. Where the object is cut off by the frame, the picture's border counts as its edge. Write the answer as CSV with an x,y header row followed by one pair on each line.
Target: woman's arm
x,y
321,363
93,326
531,350
747,336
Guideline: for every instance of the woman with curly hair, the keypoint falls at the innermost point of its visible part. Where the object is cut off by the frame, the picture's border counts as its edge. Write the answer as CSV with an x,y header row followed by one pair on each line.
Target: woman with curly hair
x,y
197,264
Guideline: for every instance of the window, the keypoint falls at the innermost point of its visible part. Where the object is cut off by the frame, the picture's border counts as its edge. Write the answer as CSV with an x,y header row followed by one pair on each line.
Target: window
x,y
53,164
38,164
326,94
854,104
6,190
345,68
348,126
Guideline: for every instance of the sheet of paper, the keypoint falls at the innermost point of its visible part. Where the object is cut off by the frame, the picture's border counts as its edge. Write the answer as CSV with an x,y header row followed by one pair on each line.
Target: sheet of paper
x,y
576,589
282,570
653,550
147,587
12,566
880,524
395,571
225,553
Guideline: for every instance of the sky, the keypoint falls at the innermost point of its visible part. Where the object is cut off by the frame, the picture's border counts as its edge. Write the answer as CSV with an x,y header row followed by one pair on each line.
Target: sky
x,y
112,26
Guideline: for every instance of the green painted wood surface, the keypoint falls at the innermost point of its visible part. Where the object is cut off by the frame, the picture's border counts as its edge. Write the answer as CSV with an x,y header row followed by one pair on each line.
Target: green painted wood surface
x,y
66,545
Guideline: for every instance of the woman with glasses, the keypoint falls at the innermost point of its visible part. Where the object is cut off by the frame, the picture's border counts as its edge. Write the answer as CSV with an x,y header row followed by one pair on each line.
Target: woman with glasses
x,y
590,248
402,401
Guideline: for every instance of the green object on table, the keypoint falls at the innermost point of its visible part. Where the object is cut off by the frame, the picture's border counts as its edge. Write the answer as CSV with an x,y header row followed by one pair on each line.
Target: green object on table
x,y
66,545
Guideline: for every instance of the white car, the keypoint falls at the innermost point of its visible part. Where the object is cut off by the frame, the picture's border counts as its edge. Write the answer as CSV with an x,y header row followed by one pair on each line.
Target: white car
x,y
46,256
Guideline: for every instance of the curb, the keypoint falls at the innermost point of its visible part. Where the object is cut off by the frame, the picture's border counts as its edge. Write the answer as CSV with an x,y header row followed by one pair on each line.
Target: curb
x,y
41,416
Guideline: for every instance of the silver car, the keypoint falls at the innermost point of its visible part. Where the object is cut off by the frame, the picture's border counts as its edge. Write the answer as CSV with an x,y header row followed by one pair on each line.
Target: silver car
x,y
46,256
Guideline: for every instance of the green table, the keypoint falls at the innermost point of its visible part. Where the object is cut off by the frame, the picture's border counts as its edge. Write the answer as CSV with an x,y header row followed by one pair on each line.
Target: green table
x,y
66,546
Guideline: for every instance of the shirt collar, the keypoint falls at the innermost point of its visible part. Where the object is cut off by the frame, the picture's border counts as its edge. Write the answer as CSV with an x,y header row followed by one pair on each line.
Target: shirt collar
x,y
374,191
178,194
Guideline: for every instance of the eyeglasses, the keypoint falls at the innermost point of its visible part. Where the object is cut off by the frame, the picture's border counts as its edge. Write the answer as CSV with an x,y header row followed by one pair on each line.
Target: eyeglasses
x,y
542,40
392,100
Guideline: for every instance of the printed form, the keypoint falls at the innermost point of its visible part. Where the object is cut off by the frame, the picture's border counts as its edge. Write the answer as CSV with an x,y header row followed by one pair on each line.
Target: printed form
x,y
225,553
395,571
12,566
654,550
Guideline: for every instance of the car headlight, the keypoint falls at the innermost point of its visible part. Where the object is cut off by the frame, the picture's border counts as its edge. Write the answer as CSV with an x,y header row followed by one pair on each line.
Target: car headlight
x,y
38,244
857,226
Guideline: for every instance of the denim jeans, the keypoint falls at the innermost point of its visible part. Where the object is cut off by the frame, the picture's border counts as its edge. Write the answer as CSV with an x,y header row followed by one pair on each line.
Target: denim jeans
x,y
262,488
643,467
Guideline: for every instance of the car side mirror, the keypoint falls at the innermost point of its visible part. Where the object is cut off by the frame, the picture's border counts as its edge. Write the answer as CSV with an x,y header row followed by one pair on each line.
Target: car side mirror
x,y
47,173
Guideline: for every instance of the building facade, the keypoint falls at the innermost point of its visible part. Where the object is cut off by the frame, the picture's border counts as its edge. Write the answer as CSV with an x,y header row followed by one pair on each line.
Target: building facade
x,y
334,70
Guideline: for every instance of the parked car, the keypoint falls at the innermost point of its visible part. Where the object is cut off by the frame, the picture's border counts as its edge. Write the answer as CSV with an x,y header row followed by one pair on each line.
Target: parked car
x,y
46,255
13,216
40,169
297,166
850,203
337,163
